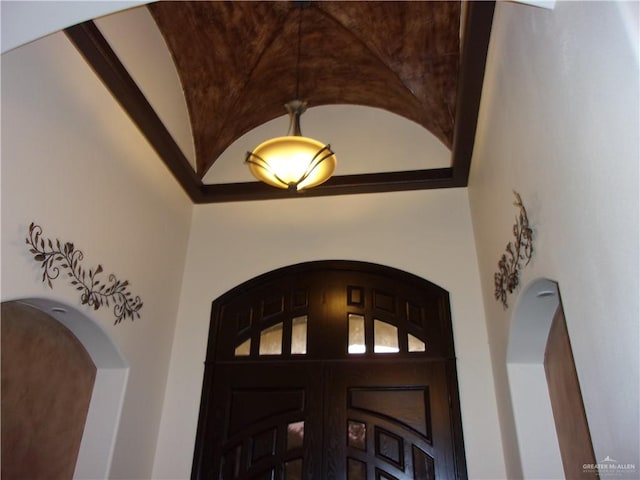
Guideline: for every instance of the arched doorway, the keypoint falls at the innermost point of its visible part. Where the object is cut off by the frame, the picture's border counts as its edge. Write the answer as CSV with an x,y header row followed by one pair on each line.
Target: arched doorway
x,y
47,381
333,369
111,371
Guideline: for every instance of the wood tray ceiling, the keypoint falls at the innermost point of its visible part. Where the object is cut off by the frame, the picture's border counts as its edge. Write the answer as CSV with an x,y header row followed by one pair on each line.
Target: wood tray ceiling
x,y
237,62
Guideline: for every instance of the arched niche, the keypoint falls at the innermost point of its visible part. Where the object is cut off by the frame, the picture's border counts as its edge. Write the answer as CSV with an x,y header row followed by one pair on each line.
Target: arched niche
x,y
98,440
530,324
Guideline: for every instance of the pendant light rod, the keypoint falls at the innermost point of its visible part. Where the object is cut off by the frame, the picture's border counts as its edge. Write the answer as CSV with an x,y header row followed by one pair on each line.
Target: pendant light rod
x,y
295,108
293,162
299,51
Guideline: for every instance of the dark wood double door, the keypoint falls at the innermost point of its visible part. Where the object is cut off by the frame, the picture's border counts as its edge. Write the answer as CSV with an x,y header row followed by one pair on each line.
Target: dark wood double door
x,y
376,398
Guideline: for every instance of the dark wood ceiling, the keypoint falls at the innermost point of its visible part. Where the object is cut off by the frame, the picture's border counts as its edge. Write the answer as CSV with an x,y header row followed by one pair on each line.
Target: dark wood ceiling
x,y
238,63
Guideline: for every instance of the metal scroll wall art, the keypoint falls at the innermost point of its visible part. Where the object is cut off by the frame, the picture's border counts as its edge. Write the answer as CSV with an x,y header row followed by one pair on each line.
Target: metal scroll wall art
x,y
57,257
517,256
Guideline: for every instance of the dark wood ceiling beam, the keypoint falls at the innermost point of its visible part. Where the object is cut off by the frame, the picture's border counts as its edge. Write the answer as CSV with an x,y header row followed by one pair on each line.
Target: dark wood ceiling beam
x,y
338,185
475,46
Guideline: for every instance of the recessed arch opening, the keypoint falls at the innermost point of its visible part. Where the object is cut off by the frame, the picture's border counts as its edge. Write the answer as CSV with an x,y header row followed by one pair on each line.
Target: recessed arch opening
x,y
535,429
98,439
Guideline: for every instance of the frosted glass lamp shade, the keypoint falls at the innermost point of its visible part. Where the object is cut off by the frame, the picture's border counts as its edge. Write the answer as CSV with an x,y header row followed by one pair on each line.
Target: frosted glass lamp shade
x,y
293,162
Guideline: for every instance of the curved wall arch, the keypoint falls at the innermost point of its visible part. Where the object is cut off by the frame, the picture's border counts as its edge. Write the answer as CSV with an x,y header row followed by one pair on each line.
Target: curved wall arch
x,y
535,429
531,321
98,440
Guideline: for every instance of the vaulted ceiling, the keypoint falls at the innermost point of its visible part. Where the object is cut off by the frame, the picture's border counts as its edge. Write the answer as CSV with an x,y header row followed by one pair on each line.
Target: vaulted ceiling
x,y
240,62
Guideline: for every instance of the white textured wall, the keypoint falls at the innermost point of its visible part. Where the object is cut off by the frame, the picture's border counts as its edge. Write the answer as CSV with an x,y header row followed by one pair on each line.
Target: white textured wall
x,y
427,233
73,162
559,123
135,38
537,439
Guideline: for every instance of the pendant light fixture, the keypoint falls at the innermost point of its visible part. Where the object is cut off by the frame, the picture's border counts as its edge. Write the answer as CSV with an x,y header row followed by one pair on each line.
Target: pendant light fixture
x,y
293,162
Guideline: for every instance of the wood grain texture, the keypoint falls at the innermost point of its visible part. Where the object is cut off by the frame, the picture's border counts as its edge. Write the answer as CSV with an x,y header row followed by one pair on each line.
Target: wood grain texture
x,y
408,401
237,62
569,415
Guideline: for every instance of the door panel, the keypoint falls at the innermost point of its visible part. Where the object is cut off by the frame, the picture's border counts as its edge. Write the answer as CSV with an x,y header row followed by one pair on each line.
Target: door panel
x,y
260,422
331,420
388,420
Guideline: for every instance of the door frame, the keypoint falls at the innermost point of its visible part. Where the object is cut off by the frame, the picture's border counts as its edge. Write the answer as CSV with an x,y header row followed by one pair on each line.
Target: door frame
x,y
389,273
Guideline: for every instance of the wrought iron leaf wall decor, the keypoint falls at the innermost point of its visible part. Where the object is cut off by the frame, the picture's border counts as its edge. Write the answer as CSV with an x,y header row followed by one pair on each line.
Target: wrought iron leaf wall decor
x,y
507,277
57,256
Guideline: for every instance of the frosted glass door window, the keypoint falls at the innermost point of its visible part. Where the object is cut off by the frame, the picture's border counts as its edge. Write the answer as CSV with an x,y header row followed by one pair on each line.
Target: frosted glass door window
x,y
244,349
271,340
299,335
293,470
295,435
385,337
356,470
357,435
356,334
415,344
